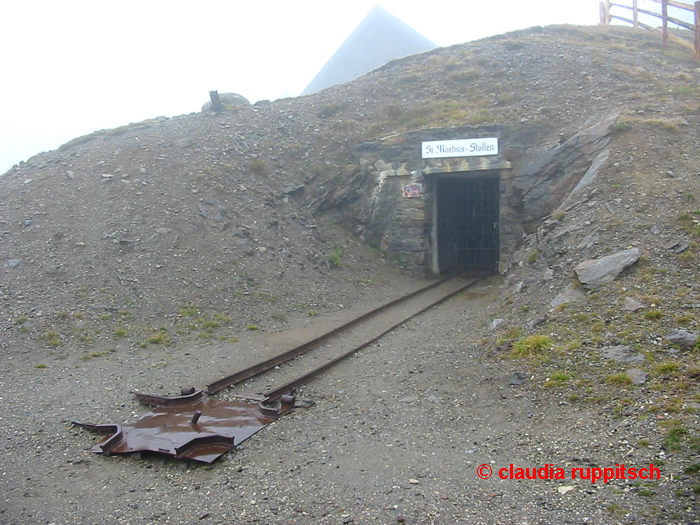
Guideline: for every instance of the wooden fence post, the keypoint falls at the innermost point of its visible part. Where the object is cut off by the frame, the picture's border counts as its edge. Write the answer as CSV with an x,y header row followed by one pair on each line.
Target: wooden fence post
x,y
605,13
636,13
664,14
697,31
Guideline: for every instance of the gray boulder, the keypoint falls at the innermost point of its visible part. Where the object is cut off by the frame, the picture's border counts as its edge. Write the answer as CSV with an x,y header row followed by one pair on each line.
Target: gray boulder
x,y
229,100
683,338
594,273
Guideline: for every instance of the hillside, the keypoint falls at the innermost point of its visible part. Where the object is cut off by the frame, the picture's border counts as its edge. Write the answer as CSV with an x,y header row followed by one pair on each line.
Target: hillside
x,y
174,251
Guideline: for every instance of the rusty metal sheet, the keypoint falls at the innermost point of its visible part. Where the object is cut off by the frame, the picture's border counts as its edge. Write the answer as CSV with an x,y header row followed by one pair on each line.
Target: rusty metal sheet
x,y
188,427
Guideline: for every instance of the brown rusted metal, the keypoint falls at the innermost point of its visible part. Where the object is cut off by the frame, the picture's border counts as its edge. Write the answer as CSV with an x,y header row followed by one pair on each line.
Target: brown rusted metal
x,y
193,428
160,401
269,364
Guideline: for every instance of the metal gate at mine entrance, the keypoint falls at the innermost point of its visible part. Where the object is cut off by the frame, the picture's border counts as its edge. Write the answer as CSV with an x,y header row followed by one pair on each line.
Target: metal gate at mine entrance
x,y
466,221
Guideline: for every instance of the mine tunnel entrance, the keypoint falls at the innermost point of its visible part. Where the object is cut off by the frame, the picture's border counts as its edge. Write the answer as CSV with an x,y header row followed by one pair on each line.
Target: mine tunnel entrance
x,y
466,222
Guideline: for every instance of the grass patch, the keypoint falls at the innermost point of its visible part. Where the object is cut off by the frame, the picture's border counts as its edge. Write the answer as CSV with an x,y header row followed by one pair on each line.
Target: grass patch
x,y
653,315
159,338
556,379
258,167
330,110
189,311
335,257
252,327
531,346
52,338
667,367
693,468
675,434
621,379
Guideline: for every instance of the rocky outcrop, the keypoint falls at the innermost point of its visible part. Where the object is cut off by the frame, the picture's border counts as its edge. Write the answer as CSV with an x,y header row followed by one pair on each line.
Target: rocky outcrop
x,y
546,176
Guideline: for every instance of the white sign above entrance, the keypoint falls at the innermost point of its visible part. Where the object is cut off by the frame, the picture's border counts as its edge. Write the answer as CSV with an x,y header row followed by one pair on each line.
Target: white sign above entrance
x,y
438,149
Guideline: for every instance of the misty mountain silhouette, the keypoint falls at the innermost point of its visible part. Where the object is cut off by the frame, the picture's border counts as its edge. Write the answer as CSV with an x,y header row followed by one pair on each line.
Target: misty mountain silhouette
x,y
379,38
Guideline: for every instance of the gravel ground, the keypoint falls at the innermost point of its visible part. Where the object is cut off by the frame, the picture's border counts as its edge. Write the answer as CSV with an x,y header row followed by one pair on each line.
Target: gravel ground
x,y
396,435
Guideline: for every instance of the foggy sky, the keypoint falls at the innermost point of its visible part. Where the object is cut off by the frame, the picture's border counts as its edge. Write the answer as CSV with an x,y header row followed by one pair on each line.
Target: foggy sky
x,y
71,67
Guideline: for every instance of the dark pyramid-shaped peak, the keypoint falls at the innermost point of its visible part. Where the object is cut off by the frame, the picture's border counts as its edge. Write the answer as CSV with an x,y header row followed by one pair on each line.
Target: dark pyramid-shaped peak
x,y
379,38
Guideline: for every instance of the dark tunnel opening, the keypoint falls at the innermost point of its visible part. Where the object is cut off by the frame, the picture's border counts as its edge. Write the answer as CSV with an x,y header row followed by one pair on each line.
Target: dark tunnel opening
x,y
467,218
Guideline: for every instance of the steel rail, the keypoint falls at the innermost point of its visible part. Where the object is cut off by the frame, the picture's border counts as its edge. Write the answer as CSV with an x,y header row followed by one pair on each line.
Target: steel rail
x,y
276,394
269,364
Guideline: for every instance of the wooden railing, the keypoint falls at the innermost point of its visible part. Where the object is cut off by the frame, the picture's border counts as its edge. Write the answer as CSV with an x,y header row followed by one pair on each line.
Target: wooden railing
x,y
606,17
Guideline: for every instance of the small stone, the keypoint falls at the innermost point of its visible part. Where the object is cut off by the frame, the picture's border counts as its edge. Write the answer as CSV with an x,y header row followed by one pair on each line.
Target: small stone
x,y
565,489
495,324
13,263
538,321
638,377
681,247
622,354
632,305
519,378
414,481
569,295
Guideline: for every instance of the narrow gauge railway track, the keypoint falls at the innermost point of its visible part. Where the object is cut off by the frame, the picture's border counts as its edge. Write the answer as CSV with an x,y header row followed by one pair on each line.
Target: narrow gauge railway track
x,y
190,427
344,341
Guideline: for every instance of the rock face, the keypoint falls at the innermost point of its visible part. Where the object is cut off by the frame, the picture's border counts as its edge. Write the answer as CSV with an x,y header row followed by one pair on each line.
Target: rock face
x,y
538,178
594,273
229,100
547,175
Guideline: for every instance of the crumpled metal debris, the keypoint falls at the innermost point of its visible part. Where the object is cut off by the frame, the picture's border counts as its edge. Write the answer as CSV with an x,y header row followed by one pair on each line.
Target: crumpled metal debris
x,y
188,426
